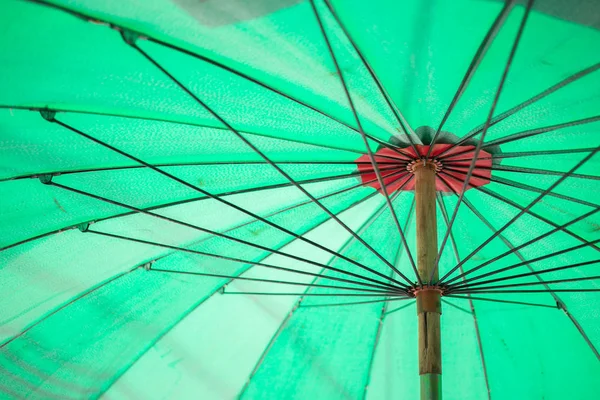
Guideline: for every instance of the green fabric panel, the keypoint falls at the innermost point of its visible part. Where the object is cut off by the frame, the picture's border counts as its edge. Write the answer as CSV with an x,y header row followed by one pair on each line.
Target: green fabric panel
x,y
43,274
32,145
85,67
310,349
184,362
34,300
410,47
73,353
32,208
299,65
249,107
534,353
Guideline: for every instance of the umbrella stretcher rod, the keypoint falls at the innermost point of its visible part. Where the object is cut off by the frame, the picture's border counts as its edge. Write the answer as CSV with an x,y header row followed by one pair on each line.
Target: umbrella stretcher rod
x,y
428,298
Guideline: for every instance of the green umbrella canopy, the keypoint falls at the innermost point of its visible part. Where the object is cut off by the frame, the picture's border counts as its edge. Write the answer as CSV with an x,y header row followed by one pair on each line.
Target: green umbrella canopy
x,y
151,152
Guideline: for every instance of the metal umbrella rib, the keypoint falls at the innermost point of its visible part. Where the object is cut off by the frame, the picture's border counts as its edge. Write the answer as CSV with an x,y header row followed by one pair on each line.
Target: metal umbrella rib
x,y
477,58
262,155
482,139
512,111
369,151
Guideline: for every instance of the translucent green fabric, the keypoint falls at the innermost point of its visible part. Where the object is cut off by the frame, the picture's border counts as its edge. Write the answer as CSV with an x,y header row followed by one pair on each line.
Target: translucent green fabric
x,y
83,314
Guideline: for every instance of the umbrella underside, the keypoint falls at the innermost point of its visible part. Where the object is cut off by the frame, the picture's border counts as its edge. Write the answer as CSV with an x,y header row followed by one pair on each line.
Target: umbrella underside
x,y
218,199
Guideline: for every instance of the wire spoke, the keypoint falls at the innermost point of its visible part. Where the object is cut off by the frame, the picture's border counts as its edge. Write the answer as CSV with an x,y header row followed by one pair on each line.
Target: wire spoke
x,y
522,303
399,308
511,285
185,201
170,121
199,163
517,154
182,50
200,190
531,261
519,185
524,170
506,242
587,290
480,143
389,166
536,215
378,284
267,159
539,131
378,294
398,298
397,114
526,209
523,275
501,117
263,280
512,250
225,236
369,151
477,58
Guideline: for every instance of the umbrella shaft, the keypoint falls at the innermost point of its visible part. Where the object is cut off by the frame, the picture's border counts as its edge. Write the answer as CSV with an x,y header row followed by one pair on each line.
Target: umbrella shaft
x,y
428,298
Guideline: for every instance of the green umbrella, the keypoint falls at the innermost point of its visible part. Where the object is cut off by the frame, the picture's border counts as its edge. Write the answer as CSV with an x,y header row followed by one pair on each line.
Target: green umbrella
x,y
287,199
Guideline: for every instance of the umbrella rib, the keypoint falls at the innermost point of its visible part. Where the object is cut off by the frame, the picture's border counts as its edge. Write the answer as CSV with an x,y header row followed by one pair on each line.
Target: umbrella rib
x,y
379,284
476,60
537,171
459,308
526,209
516,252
586,290
539,131
369,221
536,215
369,151
397,114
536,239
463,285
274,337
262,155
170,121
192,164
517,154
196,188
472,289
215,63
185,201
345,246
519,107
264,280
388,166
471,305
523,170
399,298
524,303
511,56
222,235
375,294
527,262
400,308
382,316
523,186
506,242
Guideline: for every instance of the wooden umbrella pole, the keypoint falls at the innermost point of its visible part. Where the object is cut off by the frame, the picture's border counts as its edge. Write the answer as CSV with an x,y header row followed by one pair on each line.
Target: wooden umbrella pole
x,y
428,298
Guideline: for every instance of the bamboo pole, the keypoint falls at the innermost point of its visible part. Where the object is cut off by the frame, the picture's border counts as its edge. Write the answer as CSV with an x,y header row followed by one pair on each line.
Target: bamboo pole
x,y
428,298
